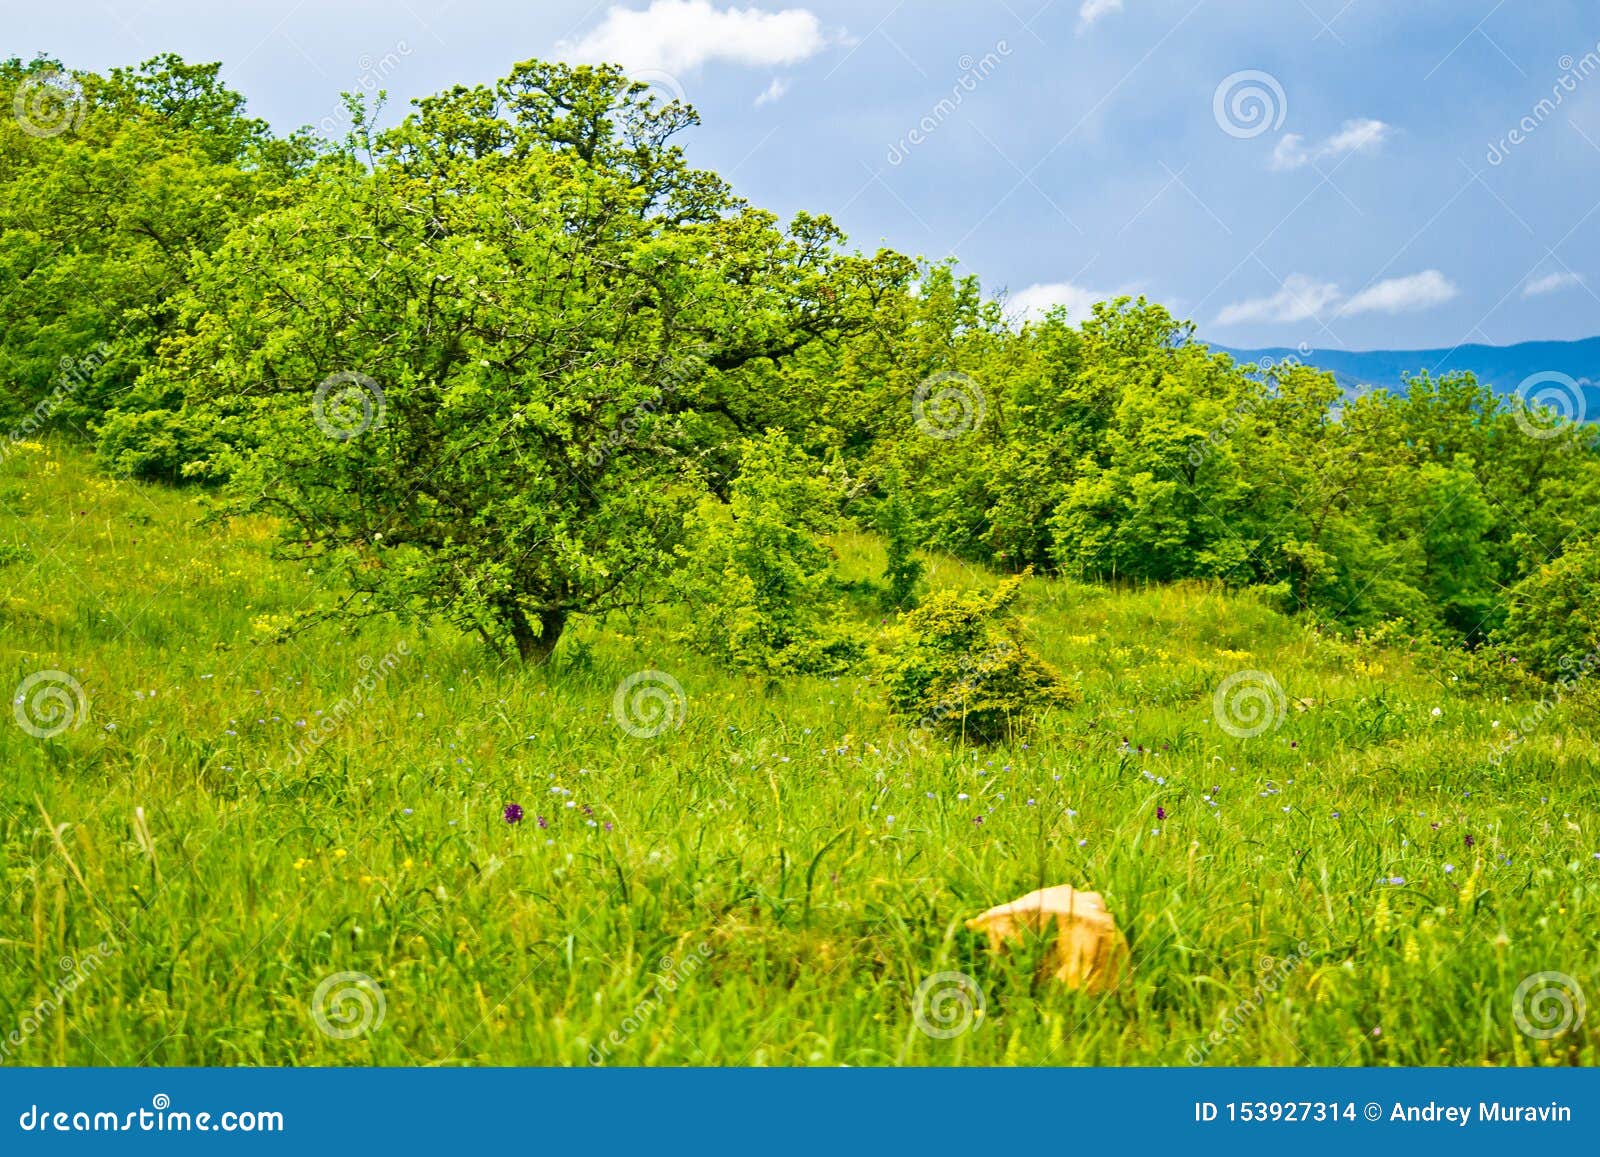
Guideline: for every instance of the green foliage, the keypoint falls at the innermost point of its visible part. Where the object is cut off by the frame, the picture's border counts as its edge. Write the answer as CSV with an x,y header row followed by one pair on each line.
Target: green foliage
x,y
964,671
532,365
1553,625
485,365
104,198
762,586
902,570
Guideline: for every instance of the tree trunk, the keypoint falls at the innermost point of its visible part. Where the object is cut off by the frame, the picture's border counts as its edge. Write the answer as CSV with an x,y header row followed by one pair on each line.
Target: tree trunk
x,y
535,647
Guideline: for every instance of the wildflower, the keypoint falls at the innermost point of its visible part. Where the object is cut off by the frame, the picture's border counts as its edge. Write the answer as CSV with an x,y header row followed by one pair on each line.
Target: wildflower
x,y
1436,713
1448,868
607,825
513,813
543,823
1161,813
1469,841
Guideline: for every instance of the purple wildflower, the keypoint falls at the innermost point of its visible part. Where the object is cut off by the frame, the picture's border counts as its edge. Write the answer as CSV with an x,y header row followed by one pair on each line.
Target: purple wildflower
x,y
1161,813
543,823
513,813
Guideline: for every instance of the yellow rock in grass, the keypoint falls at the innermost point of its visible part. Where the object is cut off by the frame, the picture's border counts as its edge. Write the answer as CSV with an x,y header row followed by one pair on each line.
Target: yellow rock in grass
x,y
1089,951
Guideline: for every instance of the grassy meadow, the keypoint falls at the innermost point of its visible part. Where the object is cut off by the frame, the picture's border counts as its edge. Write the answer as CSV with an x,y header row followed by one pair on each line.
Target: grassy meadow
x,y
217,864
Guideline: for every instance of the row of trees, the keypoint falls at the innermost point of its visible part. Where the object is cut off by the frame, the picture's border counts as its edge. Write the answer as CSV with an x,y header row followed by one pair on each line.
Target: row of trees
x,y
516,360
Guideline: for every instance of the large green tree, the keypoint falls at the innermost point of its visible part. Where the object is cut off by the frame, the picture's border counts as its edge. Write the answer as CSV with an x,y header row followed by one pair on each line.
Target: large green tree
x,y
485,363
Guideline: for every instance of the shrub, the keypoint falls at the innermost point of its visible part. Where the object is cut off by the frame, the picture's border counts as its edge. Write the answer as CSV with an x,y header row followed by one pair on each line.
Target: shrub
x,y
902,568
761,585
1553,626
964,671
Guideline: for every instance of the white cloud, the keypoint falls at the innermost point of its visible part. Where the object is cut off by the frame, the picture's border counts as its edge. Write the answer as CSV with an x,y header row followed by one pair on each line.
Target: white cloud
x,y
1091,10
682,35
1551,283
1299,299
1354,136
1400,294
773,91
1035,301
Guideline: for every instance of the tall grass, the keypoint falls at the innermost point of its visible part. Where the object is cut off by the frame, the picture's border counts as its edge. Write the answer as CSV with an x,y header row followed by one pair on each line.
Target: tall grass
x,y
770,882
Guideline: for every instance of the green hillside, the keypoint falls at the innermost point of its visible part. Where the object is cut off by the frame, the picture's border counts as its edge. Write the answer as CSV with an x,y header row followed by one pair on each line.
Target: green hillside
x,y
206,832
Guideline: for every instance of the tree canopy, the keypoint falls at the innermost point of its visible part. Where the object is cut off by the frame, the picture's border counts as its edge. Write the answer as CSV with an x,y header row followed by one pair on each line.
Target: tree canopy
x,y
515,359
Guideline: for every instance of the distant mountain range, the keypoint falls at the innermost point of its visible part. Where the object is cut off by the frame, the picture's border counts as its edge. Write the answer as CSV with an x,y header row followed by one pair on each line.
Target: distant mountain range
x,y
1502,367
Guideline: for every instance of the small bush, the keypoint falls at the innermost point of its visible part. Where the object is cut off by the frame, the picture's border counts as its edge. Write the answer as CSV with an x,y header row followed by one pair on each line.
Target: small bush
x,y
964,671
902,568
761,586
1553,625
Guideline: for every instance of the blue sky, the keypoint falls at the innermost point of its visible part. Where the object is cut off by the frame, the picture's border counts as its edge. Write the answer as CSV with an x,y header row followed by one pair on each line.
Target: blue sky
x,y
1346,173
